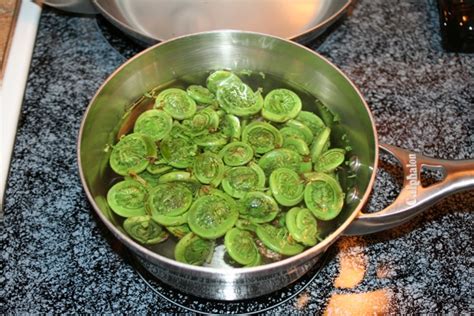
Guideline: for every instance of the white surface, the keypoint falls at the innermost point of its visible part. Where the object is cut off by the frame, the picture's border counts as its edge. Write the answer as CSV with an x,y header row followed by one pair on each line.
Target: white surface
x,y
14,82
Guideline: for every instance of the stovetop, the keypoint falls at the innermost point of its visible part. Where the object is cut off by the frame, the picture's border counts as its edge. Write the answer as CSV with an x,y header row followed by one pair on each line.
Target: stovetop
x,y
58,257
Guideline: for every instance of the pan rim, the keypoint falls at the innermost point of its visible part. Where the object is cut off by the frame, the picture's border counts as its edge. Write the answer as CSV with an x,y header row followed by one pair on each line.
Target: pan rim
x,y
148,39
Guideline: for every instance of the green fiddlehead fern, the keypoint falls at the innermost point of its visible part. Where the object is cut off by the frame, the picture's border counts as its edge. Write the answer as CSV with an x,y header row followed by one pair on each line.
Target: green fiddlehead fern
x,y
240,180
200,94
168,202
286,186
330,160
209,168
280,105
176,102
132,154
194,250
154,124
278,239
312,121
127,198
302,226
144,230
324,197
239,99
211,216
258,207
262,136
241,247
236,154
280,158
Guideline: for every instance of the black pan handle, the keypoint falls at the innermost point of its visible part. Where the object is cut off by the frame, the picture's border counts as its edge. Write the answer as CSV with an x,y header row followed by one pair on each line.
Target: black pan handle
x,y
458,175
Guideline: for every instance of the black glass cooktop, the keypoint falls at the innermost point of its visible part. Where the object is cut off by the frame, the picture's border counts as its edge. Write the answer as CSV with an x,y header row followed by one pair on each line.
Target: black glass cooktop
x,y
57,257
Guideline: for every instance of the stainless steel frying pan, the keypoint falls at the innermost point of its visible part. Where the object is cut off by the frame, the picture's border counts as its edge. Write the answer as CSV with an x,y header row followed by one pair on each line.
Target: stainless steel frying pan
x,y
293,63
152,21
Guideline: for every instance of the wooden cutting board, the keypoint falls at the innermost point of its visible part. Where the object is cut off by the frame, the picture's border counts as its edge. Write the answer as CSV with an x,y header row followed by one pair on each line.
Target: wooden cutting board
x,y
8,12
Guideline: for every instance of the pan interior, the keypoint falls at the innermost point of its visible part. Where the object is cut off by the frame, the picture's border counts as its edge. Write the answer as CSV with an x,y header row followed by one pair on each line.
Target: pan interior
x,y
166,19
189,59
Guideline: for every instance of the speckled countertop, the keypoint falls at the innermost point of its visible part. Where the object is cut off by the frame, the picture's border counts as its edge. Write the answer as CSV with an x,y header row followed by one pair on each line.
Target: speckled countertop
x,y
57,256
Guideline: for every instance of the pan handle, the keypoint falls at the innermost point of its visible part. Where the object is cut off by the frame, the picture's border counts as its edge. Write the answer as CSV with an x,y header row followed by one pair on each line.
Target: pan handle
x,y
458,175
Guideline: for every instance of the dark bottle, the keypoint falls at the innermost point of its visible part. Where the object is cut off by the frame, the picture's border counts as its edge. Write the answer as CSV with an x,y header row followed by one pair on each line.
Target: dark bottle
x,y
457,25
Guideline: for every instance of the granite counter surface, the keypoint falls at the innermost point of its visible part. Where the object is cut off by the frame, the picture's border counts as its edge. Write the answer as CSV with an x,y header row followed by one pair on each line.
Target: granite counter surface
x,y
57,256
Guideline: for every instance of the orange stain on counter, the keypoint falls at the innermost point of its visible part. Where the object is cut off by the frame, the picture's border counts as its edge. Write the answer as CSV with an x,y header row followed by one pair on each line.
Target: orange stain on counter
x,y
302,301
352,262
369,303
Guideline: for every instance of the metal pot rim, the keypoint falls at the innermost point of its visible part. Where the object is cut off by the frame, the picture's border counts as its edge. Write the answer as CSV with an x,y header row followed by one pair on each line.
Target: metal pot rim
x,y
302,36
320,247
